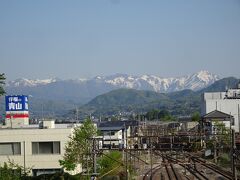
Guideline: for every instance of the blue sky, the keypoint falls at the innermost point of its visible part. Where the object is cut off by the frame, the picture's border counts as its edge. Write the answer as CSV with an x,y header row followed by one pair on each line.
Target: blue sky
x,y
85,38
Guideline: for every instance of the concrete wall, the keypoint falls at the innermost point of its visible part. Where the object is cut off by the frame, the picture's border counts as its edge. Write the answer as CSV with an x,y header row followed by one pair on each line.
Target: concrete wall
x,y
27,136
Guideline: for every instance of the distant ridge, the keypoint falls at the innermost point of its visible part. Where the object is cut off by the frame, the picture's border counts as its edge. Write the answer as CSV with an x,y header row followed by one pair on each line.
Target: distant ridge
x,y
179,103
57,97
194,82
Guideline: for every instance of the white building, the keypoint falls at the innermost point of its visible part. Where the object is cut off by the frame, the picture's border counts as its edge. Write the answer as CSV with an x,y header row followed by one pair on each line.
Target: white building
x,y
116,133
31,146
227,102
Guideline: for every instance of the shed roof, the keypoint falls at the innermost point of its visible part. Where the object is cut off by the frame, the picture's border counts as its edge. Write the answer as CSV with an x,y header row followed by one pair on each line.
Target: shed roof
x,y
217,115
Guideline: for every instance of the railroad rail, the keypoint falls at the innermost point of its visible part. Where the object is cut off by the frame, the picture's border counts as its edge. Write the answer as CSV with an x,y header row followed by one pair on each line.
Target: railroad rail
x,y
150,173
215,168
172,173
197,174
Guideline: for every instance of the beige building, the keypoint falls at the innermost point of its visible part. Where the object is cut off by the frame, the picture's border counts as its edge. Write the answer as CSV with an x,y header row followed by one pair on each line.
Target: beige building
x,y
37,147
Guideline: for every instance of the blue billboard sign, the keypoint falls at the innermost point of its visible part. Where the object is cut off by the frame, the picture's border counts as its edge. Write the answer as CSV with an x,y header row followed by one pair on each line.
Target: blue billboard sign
x,y
16,103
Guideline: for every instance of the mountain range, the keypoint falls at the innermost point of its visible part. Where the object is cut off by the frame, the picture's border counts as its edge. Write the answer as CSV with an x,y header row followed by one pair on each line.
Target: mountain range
x,y
179,103
83,90
55,96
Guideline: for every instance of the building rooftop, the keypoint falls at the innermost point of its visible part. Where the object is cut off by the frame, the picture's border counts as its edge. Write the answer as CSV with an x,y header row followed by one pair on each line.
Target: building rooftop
x,y
218,115
36,126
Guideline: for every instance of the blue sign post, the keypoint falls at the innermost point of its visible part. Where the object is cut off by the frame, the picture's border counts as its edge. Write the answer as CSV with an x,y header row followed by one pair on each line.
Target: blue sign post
x,y
16,103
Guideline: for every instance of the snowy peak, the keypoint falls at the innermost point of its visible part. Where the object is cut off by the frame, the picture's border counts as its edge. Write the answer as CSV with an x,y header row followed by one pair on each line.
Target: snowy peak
x,y
195,81
206,76
155,83
200,80
30,83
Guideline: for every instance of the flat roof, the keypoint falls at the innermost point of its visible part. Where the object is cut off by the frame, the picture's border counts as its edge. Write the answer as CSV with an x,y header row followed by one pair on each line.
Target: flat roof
x,y
36,126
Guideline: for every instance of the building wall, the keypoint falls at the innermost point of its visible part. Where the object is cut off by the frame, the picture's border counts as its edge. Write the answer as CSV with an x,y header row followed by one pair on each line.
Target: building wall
x,y
27,136
216,101
117,137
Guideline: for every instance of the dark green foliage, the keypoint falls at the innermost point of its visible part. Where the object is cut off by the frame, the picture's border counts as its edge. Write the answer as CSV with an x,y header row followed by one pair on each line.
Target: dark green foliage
x,y
156,114
8,173
196,116
13,171
152,115
130,100
122,97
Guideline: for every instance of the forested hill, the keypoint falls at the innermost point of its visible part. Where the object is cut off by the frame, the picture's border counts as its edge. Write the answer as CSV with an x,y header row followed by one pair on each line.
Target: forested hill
x,y
127,100
178,103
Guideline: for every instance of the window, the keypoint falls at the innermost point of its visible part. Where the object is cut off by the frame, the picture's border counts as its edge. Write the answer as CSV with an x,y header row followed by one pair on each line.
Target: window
x,y
10,148
109,133
46,147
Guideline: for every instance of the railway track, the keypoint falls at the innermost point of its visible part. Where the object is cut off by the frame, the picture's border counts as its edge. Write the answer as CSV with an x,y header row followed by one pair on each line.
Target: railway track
x,y
172,173
197,174
152,172
215,168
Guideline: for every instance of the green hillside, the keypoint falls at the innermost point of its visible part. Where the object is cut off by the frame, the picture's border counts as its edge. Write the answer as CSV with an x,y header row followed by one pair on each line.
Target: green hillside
x,y
126,101
130,100
184,102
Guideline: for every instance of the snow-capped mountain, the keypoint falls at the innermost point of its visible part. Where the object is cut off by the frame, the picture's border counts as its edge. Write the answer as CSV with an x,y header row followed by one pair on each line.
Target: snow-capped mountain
x,y
30,83
194,82
60,96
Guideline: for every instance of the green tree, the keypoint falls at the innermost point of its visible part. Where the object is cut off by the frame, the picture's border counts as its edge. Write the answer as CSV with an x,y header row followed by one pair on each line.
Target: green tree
x,y
165,115
225,133
12,171
156,114
196,116
2,82
77,149
153,114
8,173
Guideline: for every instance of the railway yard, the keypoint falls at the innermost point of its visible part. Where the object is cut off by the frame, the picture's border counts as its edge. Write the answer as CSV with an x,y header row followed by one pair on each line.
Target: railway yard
x,y
164,152
173,167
